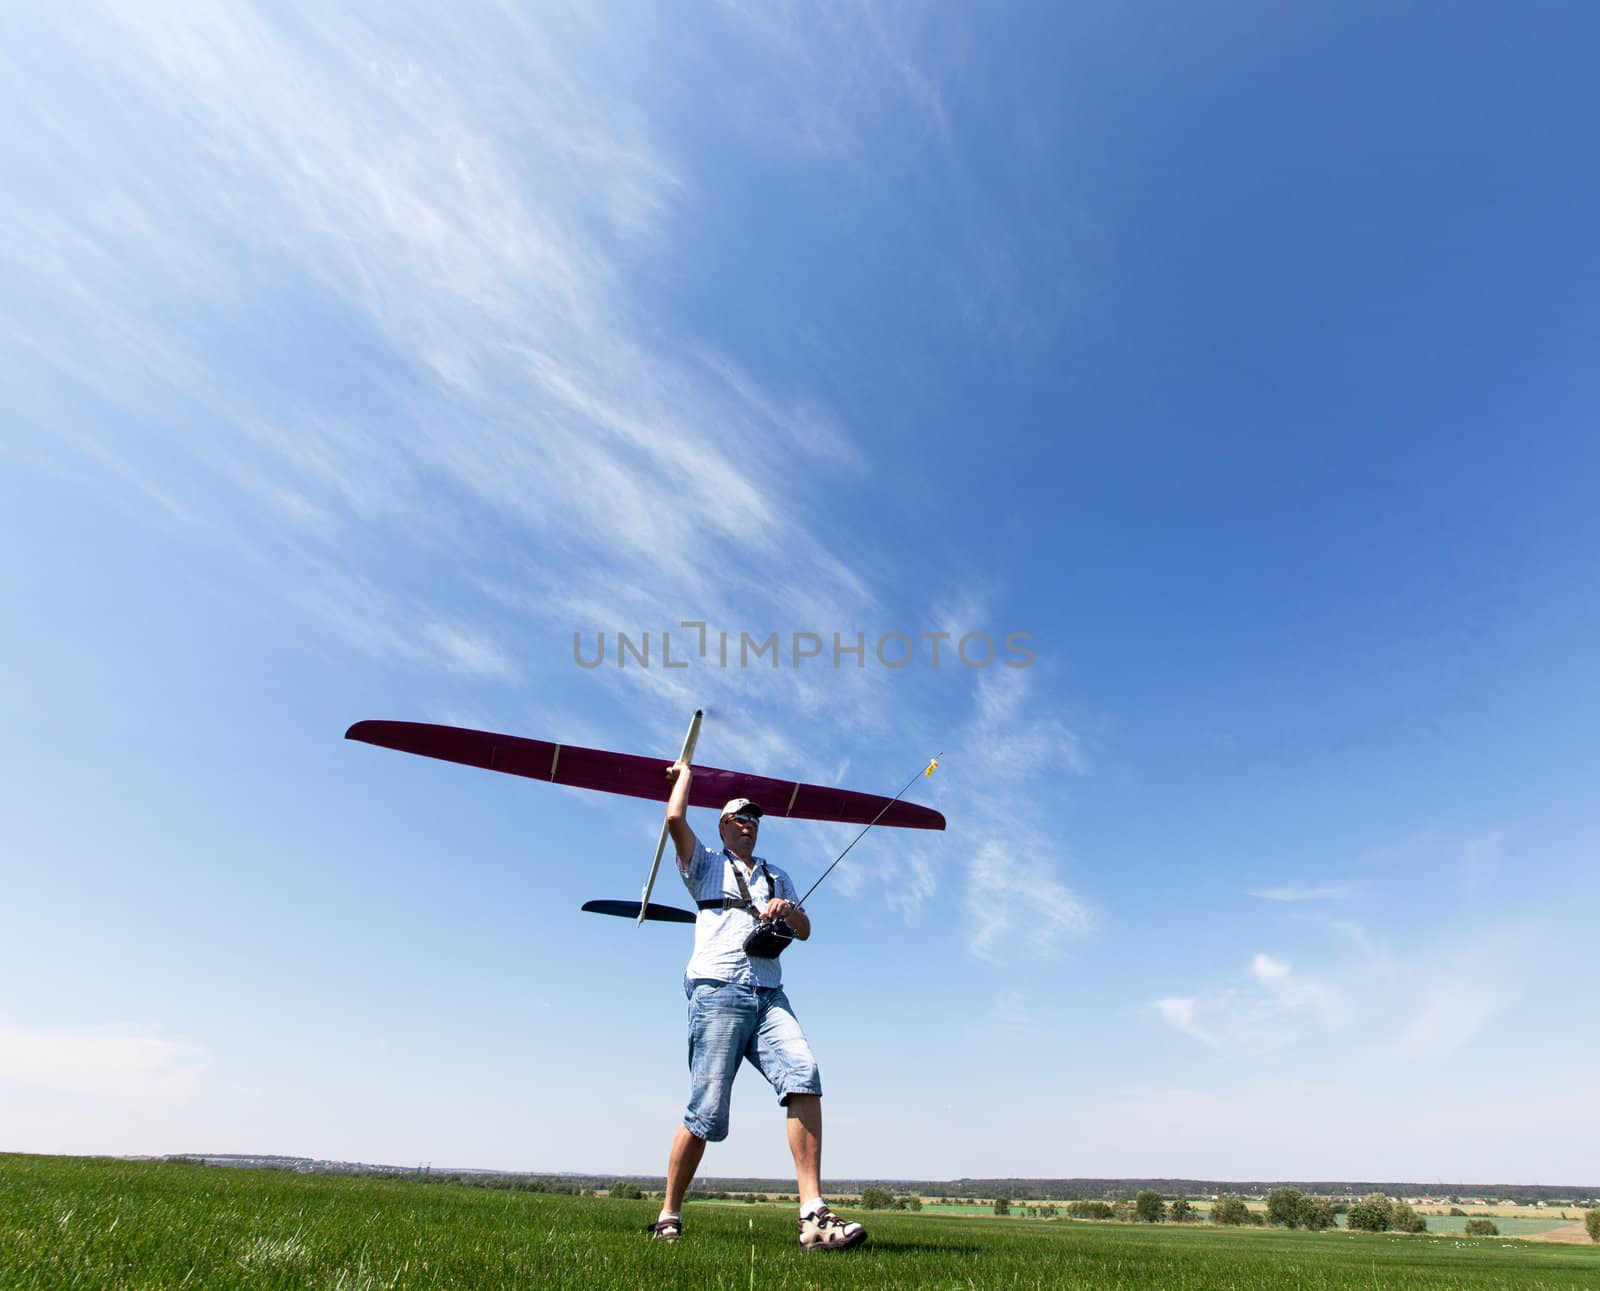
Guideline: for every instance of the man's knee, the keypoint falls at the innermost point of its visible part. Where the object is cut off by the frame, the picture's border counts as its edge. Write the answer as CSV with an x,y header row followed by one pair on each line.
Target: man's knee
x,y
706,1117
798,1077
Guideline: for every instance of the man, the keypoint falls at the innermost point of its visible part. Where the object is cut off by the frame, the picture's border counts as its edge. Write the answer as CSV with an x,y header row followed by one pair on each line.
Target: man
x,y
737,1010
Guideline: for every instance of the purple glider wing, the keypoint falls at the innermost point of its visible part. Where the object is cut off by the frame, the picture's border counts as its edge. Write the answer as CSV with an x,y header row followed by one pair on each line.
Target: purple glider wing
x,y
638,777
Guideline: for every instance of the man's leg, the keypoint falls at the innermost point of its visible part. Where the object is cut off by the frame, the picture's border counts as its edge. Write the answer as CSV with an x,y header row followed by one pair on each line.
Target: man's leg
x,y
720,1018
684,1160
781,1052
820,1228
805,1143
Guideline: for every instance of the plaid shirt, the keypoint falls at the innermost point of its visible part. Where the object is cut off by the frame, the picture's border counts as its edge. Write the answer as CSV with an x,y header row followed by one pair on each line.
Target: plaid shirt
x,y
719,934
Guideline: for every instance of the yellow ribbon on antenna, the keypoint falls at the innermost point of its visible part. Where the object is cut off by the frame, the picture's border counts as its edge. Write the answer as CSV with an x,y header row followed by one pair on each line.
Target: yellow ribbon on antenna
x,y
933,765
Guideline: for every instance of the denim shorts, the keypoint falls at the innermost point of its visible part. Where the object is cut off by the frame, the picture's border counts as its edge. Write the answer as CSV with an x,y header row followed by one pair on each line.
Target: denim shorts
x,y
728,1022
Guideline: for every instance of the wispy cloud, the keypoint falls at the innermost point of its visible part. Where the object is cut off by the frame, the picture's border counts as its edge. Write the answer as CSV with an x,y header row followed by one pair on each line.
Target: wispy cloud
x,y
437,243
1013,759
1449,1017
1021,742
375,303
829,70
1014,905
1327,892
118,1062
470,652
387,628
1373,1005
1179,1011
1010,1011
1264,1011
1295,994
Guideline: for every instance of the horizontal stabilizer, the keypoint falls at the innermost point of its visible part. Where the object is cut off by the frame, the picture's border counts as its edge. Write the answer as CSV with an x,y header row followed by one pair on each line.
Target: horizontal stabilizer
x,y
630,910
639,777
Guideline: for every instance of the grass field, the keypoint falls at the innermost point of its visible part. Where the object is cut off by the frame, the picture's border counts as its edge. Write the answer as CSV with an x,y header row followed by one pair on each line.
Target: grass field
x,y
67,1222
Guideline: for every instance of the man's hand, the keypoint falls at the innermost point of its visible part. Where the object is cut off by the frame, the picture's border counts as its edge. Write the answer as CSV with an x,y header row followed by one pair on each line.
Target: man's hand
x,y
791,914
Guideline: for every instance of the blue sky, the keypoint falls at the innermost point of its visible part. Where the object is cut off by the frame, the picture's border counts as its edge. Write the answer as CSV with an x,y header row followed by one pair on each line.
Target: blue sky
x,y
1241,356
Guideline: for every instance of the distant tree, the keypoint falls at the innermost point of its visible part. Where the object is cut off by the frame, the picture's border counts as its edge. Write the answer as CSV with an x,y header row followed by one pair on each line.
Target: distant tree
x,y
1148,1207
1316,1214
875,1198
913,1203
626,1190
1456,1210
1285,1206
1089,1210
1591,1221
1229,1210
1002,1206
1478,1226
1182,1212
1403,1219
1370,1214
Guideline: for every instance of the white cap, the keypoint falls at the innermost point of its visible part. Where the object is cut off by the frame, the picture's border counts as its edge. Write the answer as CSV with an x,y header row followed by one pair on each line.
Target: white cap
x,y
737,805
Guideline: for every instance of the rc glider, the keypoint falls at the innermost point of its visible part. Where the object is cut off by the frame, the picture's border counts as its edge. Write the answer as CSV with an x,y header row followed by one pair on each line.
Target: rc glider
x,y
637,776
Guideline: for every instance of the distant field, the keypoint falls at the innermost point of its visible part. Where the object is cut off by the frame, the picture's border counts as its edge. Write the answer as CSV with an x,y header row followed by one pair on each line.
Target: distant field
x,y
1518,1212
1512,1221
94,1223
1508,1227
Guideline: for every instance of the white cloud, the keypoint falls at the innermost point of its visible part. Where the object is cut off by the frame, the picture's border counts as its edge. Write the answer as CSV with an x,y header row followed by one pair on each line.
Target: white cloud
x,y
1295,994
1327,892
120,1063
470,652
1266,969
1371,1006
1179,1011
1015,907
1015,739
1010,1011
474,211
1003,770
1013,760
1448,1019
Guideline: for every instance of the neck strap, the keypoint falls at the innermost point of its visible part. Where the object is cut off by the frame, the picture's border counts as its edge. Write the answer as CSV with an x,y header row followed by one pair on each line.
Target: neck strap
x,y
744,888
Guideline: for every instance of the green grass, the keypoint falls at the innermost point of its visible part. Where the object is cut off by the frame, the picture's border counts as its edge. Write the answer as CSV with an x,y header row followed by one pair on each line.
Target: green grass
x,y
96,1223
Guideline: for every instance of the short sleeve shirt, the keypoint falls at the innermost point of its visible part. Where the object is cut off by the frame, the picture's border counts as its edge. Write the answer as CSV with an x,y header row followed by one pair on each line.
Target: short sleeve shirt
x,y
719,934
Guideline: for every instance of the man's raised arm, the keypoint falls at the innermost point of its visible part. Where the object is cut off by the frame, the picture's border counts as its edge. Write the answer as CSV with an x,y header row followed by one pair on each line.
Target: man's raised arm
x,y
683,840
